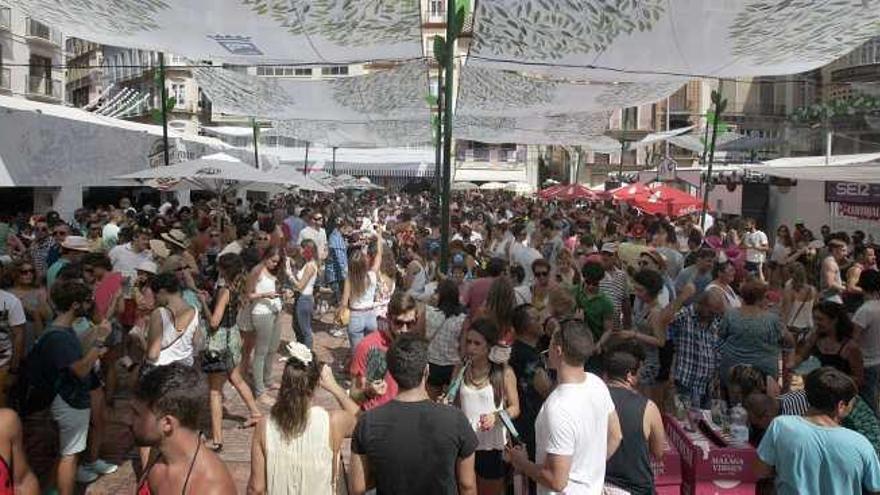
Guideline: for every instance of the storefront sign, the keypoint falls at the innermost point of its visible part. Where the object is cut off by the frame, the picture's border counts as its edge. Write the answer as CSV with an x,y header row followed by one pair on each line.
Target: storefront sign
x,y
852,192
866,212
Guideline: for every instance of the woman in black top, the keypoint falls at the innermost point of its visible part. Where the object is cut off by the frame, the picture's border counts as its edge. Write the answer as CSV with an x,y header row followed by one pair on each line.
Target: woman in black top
x,y
831,341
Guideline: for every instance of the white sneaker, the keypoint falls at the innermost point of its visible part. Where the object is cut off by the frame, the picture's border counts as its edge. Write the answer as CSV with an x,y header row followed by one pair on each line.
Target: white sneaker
x,y
100,467
337,332
85,475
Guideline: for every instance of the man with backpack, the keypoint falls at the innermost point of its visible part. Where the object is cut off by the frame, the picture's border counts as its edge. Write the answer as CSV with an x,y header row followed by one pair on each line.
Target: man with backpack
x,y
60,375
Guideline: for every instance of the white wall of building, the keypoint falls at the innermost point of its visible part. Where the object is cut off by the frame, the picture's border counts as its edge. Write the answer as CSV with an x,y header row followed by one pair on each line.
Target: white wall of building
x,y
17,43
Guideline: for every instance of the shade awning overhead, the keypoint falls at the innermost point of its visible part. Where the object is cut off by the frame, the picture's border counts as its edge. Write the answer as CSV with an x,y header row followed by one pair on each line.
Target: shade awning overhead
x,y
847,168
489,175
220,173
288,176
243,31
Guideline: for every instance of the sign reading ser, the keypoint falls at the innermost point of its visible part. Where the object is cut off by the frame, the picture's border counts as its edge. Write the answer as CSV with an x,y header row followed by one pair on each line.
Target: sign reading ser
x,y
852,192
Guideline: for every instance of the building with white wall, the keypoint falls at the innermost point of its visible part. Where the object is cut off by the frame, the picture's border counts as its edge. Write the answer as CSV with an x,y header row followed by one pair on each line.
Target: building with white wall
x,y
31,57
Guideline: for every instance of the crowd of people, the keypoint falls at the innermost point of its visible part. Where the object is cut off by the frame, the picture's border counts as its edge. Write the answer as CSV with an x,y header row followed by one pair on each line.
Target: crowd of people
x,y
542,359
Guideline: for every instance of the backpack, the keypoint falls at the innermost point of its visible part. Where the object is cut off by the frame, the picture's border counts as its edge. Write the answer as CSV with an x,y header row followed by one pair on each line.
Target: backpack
x,y
29,397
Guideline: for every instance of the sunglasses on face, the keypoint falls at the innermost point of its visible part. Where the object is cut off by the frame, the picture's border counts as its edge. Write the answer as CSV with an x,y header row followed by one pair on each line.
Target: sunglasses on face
x,y
262,238
26,271
61,233
402,323
542,274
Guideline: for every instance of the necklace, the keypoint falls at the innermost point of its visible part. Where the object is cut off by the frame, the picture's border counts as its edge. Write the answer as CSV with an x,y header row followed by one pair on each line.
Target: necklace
x,y
473,381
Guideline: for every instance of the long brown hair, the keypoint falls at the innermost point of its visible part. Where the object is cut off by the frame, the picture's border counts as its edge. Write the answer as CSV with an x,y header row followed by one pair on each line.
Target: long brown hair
x,y
231,267
358,273
490,331
291,410
500,302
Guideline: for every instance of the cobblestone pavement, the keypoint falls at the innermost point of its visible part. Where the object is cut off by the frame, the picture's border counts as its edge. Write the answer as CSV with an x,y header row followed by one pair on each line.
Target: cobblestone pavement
x,y
118,446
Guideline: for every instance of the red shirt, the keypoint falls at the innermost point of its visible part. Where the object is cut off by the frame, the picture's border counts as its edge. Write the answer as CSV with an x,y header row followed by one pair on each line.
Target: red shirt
x,y
477,294
380,341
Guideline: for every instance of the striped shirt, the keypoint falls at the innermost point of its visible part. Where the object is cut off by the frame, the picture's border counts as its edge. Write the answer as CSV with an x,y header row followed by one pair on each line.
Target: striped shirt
x,y
615,285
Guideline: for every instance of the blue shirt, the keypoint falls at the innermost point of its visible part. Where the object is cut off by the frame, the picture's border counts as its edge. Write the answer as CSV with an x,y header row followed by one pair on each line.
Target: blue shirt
x,y
817,459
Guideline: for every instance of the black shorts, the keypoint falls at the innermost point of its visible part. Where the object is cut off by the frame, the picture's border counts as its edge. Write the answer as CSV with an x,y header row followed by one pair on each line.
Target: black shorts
x,y
439,375
667,353
489,464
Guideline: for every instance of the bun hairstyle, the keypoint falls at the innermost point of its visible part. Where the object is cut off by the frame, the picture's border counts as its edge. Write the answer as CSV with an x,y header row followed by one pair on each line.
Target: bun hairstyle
x,y
298,382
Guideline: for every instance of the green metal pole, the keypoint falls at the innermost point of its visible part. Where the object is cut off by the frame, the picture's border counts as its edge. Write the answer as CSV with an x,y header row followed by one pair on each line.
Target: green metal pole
x,y
164,97
719,108
306,161
447,136
256,129
438,150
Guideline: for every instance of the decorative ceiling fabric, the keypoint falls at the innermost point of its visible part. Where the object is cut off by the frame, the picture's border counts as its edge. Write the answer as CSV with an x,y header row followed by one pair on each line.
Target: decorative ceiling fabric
x,y
570,128
363,134
396,93
244,31
630,40
379,109
502,93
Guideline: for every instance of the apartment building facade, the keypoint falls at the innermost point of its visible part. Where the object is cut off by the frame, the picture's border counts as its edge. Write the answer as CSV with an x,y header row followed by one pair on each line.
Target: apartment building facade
x,y
31,57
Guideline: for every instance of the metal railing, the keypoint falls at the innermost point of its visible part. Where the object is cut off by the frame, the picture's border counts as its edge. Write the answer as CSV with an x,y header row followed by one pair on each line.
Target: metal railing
x,y
36,29
5,78
5,18
44,86
434,16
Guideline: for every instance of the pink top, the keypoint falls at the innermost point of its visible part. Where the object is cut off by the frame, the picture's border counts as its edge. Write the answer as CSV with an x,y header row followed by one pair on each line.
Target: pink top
x,y
105,290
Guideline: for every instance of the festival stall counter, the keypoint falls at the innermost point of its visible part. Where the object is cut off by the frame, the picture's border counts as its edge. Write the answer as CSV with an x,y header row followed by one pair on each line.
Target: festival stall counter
x,y
667,471
711,464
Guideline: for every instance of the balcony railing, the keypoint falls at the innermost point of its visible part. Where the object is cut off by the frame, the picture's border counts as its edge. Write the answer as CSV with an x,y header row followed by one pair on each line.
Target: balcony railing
x,y
44,86
434,16
5,18
5,78
38,30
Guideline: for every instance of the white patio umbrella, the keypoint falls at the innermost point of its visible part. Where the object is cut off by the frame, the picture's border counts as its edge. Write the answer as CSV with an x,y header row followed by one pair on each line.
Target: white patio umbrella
x,y
288,176
519,187
492,186
220,173
464,186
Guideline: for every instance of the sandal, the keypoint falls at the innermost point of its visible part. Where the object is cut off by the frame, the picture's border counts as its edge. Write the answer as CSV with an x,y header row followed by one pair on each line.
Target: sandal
x,y
216,447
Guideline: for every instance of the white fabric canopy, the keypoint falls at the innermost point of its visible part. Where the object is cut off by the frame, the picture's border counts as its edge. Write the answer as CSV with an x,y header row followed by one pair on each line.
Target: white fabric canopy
x,y
464,186
493,186
650,38
572,128
863,168
52,145
391,94
218,166
244,31
488,92
362,134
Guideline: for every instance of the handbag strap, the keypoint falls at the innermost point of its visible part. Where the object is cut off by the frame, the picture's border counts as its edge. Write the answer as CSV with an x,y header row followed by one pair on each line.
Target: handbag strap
x,y
798,312
179,333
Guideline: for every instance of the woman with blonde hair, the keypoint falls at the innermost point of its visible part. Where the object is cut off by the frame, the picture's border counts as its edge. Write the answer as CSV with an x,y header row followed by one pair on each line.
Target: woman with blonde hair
x,y
295,449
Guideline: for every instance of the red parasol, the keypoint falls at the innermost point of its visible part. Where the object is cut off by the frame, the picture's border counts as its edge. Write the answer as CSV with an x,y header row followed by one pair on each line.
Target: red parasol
x,y
665,200
574,192
549,191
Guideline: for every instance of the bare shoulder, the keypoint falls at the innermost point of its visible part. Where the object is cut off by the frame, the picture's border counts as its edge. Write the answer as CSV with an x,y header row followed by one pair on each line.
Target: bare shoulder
x,y
213,477
10,424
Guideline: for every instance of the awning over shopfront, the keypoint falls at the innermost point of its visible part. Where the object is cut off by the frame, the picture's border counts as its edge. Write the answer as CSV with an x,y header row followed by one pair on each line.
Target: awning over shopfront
x,y
490,175
850,168
53,145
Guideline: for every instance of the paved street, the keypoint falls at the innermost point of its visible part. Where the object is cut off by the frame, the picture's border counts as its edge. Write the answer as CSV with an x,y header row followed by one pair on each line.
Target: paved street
x,y
118,447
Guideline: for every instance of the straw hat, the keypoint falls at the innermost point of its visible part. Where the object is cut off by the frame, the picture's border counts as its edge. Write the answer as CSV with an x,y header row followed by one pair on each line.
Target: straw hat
x,y
76,243
176,237
159,249
148,266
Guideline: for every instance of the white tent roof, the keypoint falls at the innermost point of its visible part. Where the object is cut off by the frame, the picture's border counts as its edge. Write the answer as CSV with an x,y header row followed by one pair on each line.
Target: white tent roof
x,y
49,145
486,175
852,168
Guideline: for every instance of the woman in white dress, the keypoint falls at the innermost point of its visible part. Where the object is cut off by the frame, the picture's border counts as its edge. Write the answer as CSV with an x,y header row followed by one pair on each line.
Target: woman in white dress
x,y
295,449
